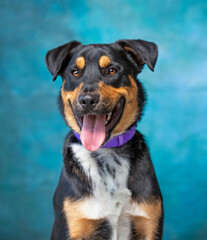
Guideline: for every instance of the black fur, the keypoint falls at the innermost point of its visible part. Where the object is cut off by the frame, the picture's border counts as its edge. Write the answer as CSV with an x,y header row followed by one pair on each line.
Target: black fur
x,y
142,181
129,57
91,76
104,231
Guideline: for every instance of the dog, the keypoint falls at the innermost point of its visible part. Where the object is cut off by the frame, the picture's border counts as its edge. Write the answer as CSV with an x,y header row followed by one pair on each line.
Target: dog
x,y
108,189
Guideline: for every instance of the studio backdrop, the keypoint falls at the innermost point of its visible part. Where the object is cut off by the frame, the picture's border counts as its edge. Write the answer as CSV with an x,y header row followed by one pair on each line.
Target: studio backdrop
x,y
175,120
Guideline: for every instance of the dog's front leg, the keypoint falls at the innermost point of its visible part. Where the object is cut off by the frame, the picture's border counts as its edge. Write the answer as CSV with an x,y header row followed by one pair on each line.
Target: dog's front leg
x,y
82,228
146,220
145,208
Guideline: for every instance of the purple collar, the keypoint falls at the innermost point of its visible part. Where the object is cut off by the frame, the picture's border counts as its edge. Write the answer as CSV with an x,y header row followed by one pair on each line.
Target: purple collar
x,y
117,140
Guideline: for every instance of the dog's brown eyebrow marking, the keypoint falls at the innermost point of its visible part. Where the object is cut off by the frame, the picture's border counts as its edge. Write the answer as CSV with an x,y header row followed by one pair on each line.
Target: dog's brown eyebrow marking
x,y
104,61
80,62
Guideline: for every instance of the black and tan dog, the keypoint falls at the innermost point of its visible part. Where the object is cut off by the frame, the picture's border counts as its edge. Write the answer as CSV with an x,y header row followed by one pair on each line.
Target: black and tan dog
x,y
104,193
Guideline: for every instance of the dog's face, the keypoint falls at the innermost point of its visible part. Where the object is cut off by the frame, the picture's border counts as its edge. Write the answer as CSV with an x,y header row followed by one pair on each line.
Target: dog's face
x,y
100,96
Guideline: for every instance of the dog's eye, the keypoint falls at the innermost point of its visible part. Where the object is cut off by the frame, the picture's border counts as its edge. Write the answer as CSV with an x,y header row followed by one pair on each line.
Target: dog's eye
x,y
75,73
112,71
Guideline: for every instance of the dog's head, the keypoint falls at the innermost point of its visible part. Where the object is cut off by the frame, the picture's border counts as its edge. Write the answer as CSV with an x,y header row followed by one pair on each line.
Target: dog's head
x,y
100,95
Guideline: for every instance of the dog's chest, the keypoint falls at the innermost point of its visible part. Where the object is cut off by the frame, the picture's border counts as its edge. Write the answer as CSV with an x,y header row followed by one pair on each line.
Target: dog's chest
x,y
108,173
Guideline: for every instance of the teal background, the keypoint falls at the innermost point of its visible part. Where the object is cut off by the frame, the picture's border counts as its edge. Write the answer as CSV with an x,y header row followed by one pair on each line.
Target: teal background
x,y
32,130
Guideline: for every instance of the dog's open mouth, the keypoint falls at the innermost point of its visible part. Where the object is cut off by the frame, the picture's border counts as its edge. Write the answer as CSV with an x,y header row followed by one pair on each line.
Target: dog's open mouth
x,y
96,127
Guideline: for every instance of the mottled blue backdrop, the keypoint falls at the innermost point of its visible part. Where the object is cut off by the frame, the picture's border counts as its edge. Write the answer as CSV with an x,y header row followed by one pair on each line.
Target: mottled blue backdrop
x,y
32,131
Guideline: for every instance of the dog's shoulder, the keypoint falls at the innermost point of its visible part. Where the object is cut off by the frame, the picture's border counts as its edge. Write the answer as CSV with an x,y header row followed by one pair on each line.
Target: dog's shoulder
x,y
142,171
69,139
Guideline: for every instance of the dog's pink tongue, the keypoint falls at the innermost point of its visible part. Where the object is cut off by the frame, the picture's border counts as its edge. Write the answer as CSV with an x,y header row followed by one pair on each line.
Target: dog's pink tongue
x,y
93,132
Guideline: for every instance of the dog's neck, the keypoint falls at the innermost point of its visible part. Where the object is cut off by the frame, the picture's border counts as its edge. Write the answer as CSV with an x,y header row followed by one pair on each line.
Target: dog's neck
x,y
118,140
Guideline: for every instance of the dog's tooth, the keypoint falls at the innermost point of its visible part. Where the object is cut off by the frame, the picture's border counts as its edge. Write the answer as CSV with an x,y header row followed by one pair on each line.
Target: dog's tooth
x,y
109,116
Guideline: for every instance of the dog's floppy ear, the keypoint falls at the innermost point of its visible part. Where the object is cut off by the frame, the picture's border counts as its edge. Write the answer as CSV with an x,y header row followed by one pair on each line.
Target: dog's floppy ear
x,y
56,57
143,52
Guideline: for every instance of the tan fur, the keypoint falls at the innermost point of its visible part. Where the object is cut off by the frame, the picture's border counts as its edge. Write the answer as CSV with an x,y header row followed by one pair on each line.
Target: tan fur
x,y
80,62
104,61
147,226
69,116
113,95
79,227
131,106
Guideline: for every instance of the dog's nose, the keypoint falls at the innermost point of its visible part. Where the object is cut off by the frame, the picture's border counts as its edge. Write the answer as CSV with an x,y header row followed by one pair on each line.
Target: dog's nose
x,y
88,101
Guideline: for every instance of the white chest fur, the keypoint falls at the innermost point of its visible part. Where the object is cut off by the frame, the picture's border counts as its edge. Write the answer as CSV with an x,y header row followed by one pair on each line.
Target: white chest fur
x,y
109,174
